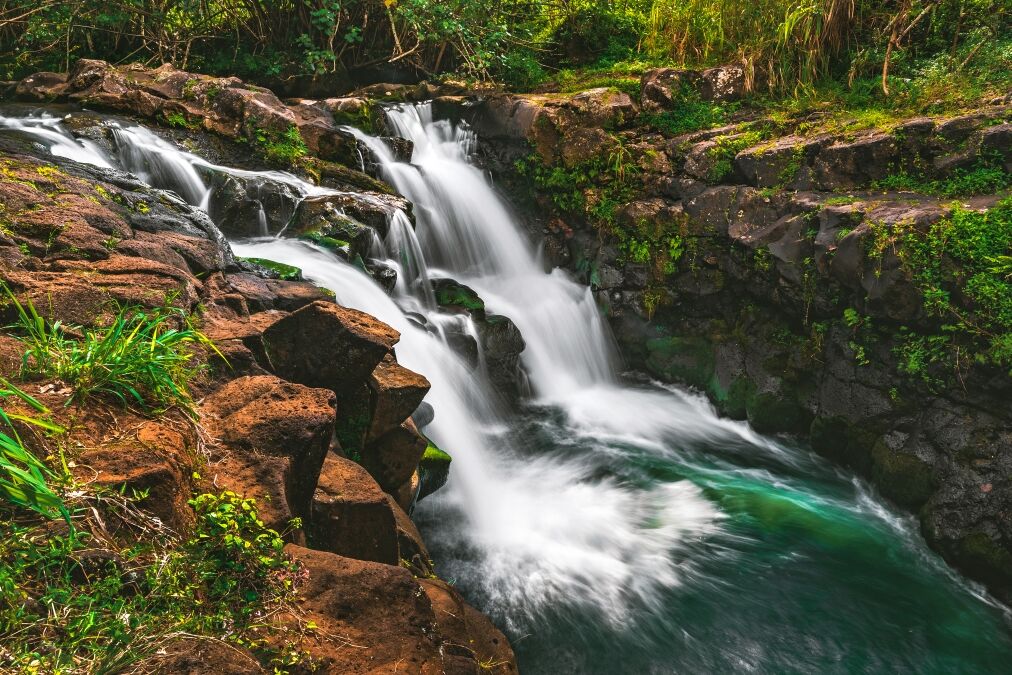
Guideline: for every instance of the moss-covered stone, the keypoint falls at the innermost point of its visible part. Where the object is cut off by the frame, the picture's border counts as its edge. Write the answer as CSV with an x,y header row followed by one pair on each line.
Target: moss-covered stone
x,y
433,470
901,476
449,293
686,359
283,271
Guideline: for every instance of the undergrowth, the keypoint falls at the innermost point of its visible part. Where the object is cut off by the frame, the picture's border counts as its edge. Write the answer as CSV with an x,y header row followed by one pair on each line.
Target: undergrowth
x,y
75,601
143,357
963,267
24,478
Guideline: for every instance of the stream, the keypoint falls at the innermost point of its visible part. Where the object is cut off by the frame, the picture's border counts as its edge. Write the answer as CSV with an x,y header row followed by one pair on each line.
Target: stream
x,y
608,523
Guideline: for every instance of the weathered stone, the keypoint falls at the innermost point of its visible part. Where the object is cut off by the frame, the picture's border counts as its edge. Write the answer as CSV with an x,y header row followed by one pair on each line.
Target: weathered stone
x,y
396,393
351,515
325,345
378,608
394,457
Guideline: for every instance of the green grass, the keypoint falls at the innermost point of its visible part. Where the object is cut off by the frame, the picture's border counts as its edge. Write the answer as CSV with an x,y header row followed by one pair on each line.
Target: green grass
x,y
24,479
143,357
690,114
68,616
988,177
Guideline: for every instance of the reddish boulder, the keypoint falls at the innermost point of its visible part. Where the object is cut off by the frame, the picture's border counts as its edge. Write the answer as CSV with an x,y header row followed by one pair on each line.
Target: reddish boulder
x,y
350,514
372,618
471,644
395,393
261,416
325,345
394,457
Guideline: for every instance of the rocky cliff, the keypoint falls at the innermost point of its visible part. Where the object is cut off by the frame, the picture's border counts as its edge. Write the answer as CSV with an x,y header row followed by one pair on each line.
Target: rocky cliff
x,y
812,273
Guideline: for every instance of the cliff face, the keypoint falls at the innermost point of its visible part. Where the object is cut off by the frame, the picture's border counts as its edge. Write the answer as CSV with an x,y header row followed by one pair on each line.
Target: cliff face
x,y
820,279
302,405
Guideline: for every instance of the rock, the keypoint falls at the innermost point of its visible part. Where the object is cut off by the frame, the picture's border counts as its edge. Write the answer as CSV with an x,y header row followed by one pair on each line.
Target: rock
x,y
394,457
350,514
410,546
253,206
196,655
323,221
378,608
472,643
433,470
450,293
501,345
136,468
582,145
396,394
325,345
267,417
723,83
660,88
852,164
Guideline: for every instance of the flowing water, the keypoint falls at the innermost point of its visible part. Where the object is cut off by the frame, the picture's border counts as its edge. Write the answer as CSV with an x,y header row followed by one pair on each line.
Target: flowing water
x,y
613,524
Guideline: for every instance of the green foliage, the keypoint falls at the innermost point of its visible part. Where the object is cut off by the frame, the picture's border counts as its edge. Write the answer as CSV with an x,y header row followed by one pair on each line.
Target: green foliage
x,y
284,148
81,603
725,150
690,114
959,265
143,356
987,177
24,479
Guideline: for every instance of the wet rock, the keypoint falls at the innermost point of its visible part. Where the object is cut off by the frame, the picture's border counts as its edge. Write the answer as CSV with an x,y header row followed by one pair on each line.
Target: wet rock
x,y
433,470
452,294
350,514
254,206
324,221
502,344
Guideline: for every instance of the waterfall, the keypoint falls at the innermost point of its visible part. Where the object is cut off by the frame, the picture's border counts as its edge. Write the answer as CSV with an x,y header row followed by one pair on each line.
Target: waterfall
x,y
610,524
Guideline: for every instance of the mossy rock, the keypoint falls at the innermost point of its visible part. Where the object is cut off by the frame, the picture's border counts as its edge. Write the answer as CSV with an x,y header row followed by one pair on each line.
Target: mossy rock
x,y
450,293
332,244
686,359
733,400
901,476
773,412
433,470
275,269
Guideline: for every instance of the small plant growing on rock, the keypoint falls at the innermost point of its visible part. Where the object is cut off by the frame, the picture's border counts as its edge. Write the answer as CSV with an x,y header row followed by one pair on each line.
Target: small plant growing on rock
x,y
142,357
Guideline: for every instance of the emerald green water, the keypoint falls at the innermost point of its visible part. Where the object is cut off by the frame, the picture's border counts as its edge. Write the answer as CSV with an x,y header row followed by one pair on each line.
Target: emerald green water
x,y
805,570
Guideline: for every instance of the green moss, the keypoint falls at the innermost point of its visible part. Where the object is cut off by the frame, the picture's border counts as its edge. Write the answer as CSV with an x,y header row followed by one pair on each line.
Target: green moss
x,y
451,294
284,148
433,455
284,272
901,476
330,243
433,470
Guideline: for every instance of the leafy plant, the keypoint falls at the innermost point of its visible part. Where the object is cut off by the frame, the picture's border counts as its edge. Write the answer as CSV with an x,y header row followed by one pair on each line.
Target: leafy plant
x,y
142,357
23,477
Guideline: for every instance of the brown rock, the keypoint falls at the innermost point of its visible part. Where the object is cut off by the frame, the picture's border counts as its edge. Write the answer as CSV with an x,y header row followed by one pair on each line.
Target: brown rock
x,y
325,345
393,458
373,618
264,415
395,393
350,514
194,655
411,548
471,643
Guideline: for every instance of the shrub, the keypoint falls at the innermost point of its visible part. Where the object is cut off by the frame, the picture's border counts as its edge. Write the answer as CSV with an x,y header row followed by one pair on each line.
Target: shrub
x,y
142,357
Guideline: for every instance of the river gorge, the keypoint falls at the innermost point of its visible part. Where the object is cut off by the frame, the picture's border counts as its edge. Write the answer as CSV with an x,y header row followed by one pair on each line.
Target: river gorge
x,y
607,519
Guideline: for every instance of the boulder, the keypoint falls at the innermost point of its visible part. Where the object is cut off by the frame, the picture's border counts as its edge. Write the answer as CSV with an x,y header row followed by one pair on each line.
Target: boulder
x,y
351,515
393,458
266,417
326,345
371,618
396,392
471,643
723,83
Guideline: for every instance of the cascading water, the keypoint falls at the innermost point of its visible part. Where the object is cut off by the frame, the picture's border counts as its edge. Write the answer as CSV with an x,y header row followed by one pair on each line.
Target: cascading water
x,y
612,525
